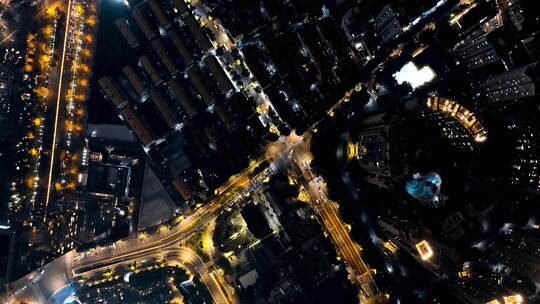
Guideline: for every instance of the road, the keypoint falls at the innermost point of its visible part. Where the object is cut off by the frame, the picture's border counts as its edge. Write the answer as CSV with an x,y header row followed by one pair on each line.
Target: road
x,y
213,280
164,244
66,94
56,88
137,248
40,285
293,151
298,160
167,242
249,82
208,244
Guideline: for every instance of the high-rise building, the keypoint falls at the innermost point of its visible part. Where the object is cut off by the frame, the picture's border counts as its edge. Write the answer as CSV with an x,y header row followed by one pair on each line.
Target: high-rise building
x,y
7,128
6,91
375,148
70,224
519,250
386,25
358,33
113,169
525,173
450,130
532,46
35,248
474,51
7,252
514,84
180,101
514,14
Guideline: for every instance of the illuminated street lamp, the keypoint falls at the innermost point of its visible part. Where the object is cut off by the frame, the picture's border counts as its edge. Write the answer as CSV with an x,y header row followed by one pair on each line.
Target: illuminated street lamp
x,y
51,11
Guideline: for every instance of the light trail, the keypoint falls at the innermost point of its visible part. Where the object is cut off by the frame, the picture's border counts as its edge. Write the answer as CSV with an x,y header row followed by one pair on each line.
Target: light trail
x,y
218,282
74,266
81,265
58,98
160,245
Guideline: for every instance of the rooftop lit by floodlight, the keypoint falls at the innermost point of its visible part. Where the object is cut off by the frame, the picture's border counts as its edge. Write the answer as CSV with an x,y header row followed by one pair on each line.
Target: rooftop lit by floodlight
x,y
513,299
424,249
416,77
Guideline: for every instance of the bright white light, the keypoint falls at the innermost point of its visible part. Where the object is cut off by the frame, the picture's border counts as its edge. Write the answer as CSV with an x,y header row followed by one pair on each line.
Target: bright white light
x,y
126,276
124,2
416,77
480,138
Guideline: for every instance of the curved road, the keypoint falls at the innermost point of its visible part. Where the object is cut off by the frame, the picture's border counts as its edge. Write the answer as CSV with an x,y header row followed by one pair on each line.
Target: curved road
x,y
38,286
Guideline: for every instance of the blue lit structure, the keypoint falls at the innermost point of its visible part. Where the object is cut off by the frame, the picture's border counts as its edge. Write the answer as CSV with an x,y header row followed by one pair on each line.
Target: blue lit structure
x,y
425,188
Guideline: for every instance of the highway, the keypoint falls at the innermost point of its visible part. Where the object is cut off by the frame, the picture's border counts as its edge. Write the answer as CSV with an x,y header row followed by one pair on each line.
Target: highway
x,y
208,244
167,242
350,251
328,214
213,280
73,266
140,247
160,245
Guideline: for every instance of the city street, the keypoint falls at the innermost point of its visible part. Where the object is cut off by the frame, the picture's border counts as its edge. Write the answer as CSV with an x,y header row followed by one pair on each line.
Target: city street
x,y
146,247
66,92
329,217
269,151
